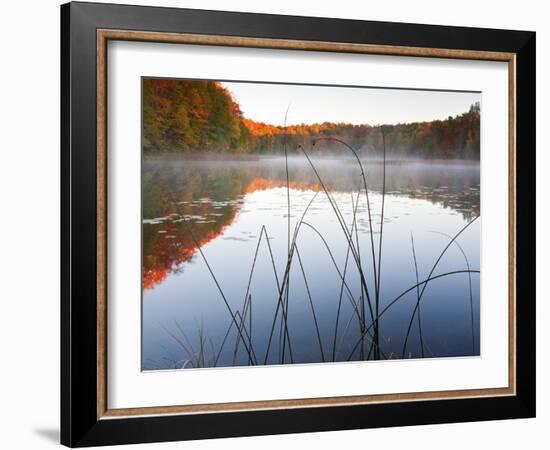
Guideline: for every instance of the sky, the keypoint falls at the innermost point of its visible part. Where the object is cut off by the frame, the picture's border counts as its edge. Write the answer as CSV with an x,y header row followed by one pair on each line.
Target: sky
x,y
268,103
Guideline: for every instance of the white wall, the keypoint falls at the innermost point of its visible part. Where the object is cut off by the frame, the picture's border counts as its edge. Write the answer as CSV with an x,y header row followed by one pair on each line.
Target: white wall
x,y
29,223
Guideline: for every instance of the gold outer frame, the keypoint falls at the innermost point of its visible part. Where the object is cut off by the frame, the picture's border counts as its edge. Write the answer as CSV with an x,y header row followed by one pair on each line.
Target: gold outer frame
x,y
103,36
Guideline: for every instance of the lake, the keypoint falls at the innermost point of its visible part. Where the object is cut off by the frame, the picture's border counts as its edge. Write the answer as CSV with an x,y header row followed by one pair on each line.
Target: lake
x,y
218,289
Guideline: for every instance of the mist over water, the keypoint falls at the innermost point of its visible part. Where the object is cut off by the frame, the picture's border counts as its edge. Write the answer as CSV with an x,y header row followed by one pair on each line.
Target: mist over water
x,y
220,205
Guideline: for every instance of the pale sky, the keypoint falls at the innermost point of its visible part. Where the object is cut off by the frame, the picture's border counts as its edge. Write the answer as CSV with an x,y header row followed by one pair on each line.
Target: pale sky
x,y
316,104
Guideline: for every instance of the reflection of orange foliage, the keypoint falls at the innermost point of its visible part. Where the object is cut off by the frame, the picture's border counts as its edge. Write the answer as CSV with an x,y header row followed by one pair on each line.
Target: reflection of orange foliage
x,y
174,245
153,276
174,248
263,184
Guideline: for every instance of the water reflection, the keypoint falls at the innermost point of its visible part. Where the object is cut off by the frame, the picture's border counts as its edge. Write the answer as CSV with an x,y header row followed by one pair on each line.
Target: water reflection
x,y
215,248
208,195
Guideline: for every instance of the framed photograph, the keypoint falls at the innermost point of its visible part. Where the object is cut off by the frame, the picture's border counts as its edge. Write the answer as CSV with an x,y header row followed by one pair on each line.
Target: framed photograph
x,y
276,224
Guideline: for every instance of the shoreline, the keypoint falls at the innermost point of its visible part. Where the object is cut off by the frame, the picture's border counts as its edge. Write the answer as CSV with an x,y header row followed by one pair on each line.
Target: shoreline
x,y
224,157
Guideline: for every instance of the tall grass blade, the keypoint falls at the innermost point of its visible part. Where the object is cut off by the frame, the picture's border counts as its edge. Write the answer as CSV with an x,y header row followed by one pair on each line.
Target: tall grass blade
x,y
400,296
311,305
429,275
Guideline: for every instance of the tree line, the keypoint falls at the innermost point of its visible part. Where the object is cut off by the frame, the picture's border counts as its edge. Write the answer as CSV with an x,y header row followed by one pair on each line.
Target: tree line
x,y
191,116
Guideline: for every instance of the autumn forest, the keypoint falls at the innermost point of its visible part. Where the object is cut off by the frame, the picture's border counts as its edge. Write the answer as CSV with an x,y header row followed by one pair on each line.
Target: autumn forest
x,y
191,116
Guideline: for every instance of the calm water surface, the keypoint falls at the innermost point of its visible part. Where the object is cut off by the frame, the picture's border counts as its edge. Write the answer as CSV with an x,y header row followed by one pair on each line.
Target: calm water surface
x,y
202,221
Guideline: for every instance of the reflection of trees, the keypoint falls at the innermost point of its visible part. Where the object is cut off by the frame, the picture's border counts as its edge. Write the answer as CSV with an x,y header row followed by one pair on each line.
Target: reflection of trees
x,y
170,195
208,197
460,194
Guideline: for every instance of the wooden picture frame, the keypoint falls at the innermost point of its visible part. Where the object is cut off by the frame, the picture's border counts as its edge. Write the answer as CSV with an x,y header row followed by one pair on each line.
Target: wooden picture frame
x,y
85,416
